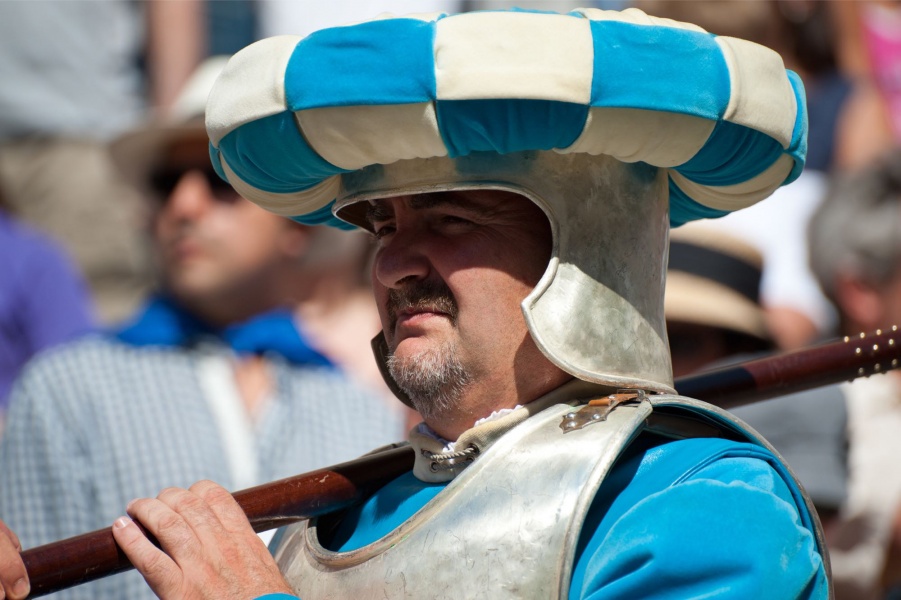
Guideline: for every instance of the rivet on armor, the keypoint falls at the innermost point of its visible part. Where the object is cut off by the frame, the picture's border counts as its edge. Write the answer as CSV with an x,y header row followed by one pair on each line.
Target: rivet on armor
x,y
875,347
862,335
857,351
877,367
847,339
861,372
878,332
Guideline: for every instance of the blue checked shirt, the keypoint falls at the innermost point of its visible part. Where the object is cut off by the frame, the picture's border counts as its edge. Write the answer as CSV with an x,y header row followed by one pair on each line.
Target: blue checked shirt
x,y
97,423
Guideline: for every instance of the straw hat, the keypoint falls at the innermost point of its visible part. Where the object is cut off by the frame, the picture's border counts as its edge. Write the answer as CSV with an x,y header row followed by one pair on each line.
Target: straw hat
x,y
138,151
713,279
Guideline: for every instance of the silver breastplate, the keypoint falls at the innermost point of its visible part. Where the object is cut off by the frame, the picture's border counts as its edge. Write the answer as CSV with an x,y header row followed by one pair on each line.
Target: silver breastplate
x,y
507,527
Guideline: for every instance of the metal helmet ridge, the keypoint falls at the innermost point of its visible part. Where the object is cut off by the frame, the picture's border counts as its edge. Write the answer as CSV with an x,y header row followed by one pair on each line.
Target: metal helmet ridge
x,y
616,124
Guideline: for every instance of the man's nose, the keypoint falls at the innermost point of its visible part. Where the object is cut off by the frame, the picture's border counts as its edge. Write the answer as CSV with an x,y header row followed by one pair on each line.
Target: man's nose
x,y
404,259
191,198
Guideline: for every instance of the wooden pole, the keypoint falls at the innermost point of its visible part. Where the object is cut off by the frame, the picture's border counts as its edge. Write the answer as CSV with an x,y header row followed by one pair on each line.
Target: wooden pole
x,y
856,356
94,555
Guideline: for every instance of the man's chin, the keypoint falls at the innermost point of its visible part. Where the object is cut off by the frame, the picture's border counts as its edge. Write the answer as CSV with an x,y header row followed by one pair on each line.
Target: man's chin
x,y
430,373
199,287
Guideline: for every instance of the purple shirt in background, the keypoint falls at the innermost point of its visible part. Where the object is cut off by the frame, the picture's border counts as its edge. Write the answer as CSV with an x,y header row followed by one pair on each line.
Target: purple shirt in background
x,y
43,299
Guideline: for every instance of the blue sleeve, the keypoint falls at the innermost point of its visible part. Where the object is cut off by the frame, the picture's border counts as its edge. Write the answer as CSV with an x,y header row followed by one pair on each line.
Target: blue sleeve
x,y
278,596
730,530
59,306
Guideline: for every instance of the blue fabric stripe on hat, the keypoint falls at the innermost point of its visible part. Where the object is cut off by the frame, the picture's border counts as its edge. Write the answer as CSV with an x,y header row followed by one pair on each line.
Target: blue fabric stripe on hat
x,y
271,155
658,68
506,126
798,147
683,209
732,154
323,216
379,62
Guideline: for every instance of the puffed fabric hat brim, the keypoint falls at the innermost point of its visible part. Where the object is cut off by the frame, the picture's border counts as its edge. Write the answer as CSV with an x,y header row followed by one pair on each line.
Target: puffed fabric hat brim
x,y
288,115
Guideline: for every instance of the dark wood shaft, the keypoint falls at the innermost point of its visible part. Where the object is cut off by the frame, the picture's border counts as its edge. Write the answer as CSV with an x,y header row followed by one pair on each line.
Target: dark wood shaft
x,y
842,360
87,557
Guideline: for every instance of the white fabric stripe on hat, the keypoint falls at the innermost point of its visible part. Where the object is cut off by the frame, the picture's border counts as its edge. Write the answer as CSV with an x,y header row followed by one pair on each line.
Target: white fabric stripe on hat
x,y
286,205
659,138
636,17
740,195
419,16
353,137
251,86
487,55
761,95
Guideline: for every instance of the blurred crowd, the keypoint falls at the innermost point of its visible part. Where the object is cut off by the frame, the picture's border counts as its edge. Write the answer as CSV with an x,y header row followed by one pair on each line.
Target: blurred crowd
x,y
156,328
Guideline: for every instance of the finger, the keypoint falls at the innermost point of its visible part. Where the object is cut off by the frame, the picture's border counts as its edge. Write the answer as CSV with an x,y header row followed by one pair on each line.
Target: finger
x,y
13,577
161,573
197,514
224,506
175,535
10,535
241,546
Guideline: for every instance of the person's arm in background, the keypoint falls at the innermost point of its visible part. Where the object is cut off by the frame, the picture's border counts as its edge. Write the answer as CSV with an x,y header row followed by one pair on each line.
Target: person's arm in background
x,y
45,300
864,127
58,305
176,44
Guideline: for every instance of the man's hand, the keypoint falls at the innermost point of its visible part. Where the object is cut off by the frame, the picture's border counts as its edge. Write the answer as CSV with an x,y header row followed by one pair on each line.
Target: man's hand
x,y
211,552
13,577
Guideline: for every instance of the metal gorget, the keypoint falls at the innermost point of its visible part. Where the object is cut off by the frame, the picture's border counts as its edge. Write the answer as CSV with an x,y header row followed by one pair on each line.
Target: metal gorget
x,y
507,527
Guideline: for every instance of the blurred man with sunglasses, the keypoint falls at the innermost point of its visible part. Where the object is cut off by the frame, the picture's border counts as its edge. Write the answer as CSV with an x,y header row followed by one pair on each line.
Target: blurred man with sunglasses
x,y
212,379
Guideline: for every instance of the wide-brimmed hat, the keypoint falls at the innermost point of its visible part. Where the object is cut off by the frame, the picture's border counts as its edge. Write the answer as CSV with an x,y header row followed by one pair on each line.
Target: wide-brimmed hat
x,y
713,279
138,151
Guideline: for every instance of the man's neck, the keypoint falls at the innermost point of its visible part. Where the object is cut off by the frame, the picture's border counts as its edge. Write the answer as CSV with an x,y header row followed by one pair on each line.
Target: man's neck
x,y
220,314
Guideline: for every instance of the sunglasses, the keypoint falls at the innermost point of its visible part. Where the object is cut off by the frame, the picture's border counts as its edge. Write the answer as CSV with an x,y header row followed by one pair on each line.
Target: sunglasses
x,y
164,180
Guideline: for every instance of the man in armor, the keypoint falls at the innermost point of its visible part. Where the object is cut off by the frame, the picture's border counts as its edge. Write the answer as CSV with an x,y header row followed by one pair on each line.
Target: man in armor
x,y
519,172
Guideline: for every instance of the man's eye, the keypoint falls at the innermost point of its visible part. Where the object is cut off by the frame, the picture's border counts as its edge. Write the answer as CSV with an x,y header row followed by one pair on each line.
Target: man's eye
x,y
381,232
455,220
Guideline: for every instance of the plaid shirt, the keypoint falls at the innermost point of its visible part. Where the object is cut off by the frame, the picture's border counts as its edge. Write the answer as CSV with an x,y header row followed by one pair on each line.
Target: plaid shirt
x,y
97,423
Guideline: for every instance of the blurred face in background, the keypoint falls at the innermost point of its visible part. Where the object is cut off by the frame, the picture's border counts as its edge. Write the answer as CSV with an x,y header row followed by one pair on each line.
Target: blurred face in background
x,y
871,304
214,245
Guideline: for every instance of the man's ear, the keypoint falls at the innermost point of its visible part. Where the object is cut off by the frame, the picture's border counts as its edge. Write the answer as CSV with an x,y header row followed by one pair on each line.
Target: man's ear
x,y
859,301
295,240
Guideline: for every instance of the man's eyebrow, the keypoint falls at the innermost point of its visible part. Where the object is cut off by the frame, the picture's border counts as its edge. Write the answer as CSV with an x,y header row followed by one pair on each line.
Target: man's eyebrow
x,y
379,211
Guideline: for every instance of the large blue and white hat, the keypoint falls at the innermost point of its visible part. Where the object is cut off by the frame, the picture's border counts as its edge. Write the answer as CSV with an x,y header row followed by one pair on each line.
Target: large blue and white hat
x,y
616,124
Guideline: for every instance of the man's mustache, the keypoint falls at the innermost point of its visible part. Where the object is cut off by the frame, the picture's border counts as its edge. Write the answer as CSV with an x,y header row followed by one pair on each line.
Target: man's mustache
x,y
426,295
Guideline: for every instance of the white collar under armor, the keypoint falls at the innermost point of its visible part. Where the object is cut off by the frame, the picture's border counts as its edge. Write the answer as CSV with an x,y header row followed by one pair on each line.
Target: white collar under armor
x,y
439,461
